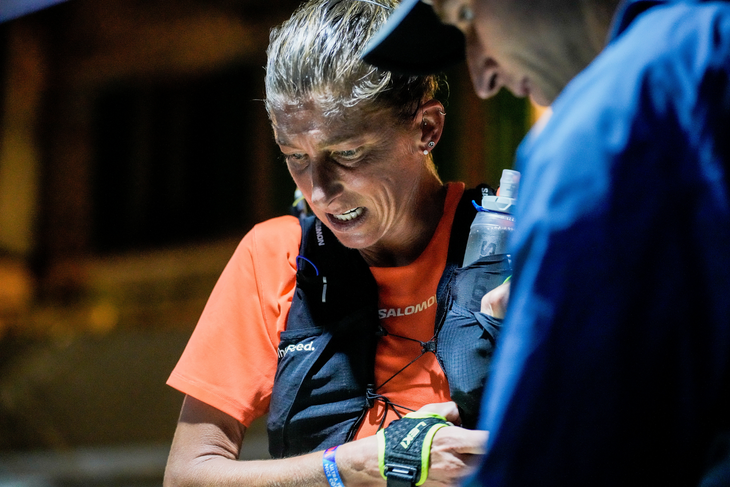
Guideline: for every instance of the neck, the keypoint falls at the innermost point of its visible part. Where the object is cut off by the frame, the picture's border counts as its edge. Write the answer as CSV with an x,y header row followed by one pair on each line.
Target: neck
x,y
583,27
598,17
426,212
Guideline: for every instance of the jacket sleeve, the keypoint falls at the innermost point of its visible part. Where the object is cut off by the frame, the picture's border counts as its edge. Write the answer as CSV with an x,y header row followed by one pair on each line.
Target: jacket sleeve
x,y
612,367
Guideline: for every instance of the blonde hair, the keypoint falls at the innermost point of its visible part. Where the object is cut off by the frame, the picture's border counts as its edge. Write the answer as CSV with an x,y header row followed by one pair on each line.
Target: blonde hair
x,y
315,56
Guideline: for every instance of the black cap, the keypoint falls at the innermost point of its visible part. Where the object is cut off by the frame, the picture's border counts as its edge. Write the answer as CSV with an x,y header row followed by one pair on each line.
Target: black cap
x,y
414,41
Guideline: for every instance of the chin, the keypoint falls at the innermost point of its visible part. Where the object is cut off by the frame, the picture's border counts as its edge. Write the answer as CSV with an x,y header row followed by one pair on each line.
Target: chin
x,y
539,100
352,244
349,239
539,97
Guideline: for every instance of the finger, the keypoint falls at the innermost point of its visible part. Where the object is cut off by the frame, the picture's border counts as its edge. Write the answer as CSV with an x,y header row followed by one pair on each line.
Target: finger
x,y
448,410
494,303
455,453
461,441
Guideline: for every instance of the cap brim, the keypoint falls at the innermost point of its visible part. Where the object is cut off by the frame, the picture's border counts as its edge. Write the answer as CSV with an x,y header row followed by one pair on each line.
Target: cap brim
x,y
414,41
12,9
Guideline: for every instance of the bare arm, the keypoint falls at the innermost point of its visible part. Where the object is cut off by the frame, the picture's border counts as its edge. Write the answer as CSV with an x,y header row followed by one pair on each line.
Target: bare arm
x,y
205,451
207,443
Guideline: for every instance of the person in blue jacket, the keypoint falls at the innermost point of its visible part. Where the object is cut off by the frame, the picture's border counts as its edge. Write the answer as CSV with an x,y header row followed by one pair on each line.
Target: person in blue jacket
x,y
614,364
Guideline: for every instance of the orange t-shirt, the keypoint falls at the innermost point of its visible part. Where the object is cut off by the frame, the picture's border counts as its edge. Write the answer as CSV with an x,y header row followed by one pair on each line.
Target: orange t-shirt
x,y
231,358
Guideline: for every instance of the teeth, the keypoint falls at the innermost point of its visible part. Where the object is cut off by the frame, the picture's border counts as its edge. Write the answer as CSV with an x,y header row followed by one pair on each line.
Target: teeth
x,y
350,214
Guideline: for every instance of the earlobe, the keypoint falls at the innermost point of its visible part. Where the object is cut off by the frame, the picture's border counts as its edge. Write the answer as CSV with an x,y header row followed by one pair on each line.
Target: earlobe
x,y
432,123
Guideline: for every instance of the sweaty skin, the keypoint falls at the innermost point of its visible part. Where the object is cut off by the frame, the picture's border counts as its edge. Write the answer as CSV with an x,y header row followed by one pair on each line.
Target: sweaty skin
x,y
368,180
520,49
365,177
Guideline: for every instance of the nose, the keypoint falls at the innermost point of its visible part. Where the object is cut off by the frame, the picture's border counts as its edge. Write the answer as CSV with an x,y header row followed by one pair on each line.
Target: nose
x,y
485,72
326,182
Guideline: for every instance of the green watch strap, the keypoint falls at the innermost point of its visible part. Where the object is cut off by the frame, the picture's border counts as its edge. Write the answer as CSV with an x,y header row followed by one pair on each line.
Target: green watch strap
x,y
404,448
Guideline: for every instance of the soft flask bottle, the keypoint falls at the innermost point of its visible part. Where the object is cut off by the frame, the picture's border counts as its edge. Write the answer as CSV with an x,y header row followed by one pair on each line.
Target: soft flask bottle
x,y
494,222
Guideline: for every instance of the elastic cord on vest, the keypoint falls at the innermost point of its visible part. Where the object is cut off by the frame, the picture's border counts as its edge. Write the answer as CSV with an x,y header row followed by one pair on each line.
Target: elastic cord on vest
x,y
404,448
330,467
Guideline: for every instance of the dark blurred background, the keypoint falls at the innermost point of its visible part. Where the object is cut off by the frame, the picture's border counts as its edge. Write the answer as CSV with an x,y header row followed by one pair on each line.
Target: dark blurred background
x,y
135,152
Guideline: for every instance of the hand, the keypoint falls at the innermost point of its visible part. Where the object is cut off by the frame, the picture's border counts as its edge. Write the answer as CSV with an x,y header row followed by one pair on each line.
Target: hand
x,y
494,303
455,451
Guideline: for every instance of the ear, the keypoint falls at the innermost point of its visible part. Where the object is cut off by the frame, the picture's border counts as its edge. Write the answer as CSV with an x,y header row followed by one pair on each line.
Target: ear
x,y
431,117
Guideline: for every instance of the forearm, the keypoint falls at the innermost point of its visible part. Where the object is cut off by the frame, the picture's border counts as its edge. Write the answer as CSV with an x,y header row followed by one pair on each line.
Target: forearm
x,y
207,444
217,470
205,451
305,470
358,463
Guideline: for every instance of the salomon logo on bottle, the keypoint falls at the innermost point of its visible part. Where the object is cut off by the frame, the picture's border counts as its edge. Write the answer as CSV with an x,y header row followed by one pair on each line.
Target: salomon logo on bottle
x,y
299,347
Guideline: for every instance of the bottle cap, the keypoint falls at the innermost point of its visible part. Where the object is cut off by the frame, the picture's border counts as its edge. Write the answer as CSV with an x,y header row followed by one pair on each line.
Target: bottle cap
x,y
509,183
508,187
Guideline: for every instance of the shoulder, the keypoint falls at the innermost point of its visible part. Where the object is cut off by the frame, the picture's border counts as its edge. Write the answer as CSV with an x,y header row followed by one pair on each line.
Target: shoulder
x,y
271,237
675,46
664,56
662,80
267,254
660,59
286,227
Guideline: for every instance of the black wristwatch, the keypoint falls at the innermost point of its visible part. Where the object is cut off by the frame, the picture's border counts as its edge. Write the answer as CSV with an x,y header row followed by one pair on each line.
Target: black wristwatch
x,y
404,448
401,475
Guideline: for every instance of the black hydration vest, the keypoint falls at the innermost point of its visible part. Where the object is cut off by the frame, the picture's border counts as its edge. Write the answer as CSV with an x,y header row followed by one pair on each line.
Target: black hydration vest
x,y
324,383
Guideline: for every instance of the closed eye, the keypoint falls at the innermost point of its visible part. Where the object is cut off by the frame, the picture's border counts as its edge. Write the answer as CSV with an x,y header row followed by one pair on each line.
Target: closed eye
x,y
297,160
348,156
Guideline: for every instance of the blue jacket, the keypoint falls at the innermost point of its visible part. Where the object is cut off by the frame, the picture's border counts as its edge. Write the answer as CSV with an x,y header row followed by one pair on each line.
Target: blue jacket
x,y
613,367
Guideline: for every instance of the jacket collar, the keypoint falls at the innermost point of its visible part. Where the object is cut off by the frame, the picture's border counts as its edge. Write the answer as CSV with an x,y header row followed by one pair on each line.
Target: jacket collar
x,y
627,11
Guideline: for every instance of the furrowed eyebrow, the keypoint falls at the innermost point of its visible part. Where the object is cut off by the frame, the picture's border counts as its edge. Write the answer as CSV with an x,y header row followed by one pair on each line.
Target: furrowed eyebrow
x,y
335,141
341,140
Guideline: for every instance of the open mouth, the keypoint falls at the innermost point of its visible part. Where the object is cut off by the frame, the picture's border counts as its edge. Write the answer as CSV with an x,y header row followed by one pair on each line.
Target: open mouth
x,y
349,214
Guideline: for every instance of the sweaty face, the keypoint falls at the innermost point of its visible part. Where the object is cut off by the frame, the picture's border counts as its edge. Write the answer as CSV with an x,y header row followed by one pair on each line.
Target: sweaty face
x,y
508,46
358,171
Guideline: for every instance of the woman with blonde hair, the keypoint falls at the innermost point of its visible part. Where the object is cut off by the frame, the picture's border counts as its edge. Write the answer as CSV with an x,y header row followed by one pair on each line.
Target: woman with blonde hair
x,y
336,326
